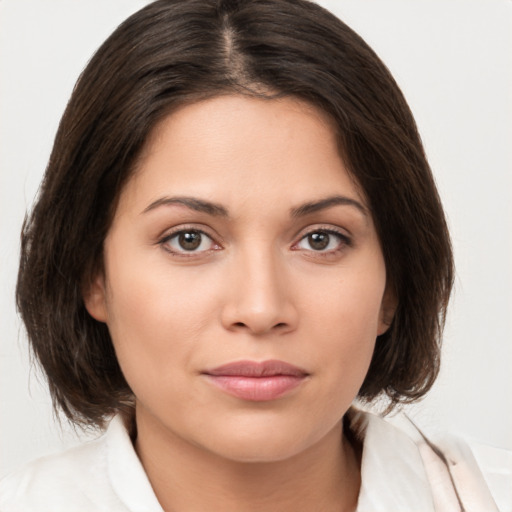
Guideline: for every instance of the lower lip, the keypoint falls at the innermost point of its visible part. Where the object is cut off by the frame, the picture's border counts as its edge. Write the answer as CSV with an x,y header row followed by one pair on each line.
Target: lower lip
x,y
256,389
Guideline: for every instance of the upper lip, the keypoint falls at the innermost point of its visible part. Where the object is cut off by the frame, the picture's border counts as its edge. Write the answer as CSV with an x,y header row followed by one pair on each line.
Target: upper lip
x,y
257,369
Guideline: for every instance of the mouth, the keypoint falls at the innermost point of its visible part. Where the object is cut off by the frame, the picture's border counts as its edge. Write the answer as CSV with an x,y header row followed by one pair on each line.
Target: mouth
x,y
256,381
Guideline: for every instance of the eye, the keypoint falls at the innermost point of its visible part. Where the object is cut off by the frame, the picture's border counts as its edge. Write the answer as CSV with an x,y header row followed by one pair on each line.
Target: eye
x,y
323,241
188,241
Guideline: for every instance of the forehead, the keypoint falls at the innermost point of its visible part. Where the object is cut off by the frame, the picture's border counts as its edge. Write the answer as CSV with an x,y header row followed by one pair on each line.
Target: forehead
x,y
233,148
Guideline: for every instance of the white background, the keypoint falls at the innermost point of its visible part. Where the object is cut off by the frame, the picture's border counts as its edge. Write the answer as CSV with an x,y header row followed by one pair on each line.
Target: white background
x,y
452,60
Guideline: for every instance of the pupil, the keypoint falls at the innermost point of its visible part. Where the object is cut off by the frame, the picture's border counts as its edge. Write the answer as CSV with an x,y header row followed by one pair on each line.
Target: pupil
x,y
190,241
318,241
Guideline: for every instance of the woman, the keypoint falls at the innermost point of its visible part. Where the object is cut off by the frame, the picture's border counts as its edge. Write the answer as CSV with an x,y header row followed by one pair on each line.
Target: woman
x,y
238,234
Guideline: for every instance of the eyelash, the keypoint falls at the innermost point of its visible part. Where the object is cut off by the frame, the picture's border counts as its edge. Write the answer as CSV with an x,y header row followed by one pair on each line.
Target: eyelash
x,y
186,254
344,241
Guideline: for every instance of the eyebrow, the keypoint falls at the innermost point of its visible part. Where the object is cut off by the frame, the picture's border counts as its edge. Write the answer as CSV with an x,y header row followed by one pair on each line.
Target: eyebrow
x,y
199,205
328,202
217,210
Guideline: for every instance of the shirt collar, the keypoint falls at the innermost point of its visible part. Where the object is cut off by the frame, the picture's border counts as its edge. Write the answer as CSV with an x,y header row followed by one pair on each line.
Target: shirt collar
x,y
392,472
126,473
393,477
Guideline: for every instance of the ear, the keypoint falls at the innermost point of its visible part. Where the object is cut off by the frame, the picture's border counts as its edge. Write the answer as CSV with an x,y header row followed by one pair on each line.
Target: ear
x,y
94,295
387,309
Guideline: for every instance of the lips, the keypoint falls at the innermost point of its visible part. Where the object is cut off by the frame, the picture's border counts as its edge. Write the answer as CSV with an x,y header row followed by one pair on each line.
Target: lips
x,y
256,381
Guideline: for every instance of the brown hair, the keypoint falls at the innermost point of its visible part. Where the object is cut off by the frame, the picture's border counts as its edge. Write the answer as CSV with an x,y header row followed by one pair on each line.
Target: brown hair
x,y
172,52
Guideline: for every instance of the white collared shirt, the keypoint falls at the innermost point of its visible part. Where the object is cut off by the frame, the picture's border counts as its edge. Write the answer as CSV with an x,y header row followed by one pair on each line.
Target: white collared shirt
x,y
401,471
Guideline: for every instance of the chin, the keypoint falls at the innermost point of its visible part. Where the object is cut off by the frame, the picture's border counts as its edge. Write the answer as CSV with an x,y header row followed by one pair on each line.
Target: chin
x,y
258,451
260,443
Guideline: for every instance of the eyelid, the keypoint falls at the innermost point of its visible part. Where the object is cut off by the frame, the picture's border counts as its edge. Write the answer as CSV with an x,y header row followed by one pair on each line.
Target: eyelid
x,y
183,228
346,239
325,228
200,228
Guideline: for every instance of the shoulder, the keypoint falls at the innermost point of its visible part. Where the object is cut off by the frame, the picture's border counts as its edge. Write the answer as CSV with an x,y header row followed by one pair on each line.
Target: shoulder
x,y
73,480
496,467
442,472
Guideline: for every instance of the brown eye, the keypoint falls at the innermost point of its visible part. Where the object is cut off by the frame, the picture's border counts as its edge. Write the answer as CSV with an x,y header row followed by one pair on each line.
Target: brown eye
x,y
324,241
318,241
189,241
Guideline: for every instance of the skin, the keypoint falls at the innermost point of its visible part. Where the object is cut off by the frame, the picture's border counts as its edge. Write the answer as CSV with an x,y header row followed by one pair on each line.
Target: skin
x,y
254,289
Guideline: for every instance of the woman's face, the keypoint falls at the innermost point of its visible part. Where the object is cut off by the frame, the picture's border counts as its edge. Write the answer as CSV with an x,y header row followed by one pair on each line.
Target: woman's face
x,y
241,239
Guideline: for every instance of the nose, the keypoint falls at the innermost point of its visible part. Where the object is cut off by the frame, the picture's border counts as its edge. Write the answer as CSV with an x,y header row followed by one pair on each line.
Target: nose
x,y
259,299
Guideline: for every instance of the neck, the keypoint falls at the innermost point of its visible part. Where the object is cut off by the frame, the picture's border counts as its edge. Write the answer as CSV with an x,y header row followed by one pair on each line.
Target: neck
x,y
188,478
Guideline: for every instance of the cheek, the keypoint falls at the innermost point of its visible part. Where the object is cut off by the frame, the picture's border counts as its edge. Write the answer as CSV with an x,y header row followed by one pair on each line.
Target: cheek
x,y
344,320
155,316
347,304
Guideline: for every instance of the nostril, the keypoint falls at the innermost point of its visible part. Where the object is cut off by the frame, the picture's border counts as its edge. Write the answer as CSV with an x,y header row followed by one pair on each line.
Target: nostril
x,y
280,325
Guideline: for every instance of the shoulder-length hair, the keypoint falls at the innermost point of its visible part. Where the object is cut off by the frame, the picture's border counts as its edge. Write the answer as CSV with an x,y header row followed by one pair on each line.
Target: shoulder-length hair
x,y
172,52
